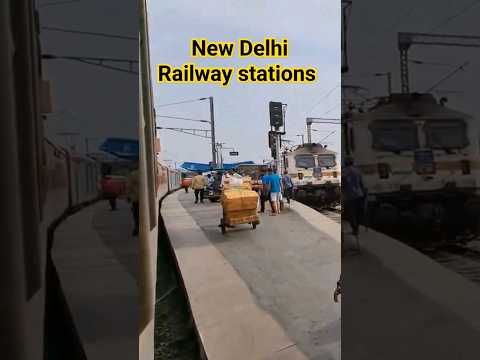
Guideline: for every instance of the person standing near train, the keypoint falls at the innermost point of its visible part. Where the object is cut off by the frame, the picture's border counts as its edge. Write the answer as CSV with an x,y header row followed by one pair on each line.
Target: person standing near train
x,y
354,193
132,197
287,186
264,191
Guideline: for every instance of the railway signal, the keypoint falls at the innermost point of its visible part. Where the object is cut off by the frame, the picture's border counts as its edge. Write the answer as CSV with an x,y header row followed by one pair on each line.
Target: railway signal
x,y
271,139
277,121
276,114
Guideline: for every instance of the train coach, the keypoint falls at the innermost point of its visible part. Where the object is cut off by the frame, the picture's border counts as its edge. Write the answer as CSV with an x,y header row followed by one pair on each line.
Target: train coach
x,y
420,161
315,174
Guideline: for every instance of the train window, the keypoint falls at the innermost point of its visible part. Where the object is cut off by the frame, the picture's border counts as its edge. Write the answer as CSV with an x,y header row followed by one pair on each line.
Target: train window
x,y
394,135
304,161
326,160
446,134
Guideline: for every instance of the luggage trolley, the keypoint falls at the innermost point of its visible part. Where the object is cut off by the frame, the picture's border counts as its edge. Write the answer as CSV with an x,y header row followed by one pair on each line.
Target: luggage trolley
x,y
231,219
239,206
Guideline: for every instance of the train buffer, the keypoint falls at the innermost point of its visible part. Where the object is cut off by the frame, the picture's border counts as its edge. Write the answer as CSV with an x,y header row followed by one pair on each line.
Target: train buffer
x,y
263,294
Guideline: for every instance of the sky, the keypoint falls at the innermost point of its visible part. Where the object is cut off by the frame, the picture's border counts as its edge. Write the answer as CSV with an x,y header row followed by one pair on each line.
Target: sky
x,y
88,100
372,47
241,110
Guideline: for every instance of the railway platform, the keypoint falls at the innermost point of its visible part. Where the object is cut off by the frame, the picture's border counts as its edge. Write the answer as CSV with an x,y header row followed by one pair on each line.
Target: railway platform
x,y
399,304
263,293
97,261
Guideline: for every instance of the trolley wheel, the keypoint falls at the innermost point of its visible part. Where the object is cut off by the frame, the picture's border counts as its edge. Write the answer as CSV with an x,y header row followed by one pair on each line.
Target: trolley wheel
x,y
222,226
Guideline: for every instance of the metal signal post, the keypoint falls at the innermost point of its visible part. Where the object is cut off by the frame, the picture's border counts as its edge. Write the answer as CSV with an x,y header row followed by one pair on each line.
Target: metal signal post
x,y
212,124
277,120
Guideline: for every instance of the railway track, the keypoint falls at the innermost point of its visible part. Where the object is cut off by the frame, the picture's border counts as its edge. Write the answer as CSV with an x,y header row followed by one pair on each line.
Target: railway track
x,y
462,259
333,213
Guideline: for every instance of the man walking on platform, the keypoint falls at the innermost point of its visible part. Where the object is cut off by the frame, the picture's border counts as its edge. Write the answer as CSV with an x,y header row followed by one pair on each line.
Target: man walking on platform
x,y
287,186
264,192
354,193
275,183
198,186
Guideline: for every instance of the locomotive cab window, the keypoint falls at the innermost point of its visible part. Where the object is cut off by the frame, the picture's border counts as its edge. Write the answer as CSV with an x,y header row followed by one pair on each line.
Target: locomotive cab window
x,y
326,160
305,161
446,134
394,135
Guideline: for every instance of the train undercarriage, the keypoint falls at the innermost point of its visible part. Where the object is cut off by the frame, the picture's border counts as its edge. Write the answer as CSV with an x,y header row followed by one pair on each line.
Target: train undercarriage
x,y
325,195
450,214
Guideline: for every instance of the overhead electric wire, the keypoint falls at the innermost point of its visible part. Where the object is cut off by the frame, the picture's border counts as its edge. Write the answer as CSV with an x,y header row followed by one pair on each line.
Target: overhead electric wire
x,y
175,128
331,109
329,122
187,131
182,118
92,33
449,19
53,3
331,133
421,62
107,66
96,61
180,102
324,97
448,76
92,58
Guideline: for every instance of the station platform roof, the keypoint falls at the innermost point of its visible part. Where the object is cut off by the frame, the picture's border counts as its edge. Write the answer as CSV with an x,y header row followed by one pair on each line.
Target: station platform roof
x,y
193,166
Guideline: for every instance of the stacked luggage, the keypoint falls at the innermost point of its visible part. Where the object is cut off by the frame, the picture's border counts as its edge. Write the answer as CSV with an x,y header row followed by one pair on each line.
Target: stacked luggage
x,y
239,204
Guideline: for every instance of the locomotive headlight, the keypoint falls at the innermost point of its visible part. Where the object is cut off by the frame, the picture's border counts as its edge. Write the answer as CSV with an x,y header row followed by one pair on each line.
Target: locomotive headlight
x,y
383,171
335,174
465,165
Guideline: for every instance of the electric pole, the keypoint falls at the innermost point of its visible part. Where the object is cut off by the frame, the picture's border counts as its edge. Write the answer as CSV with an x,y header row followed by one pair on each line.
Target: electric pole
x,y
388,75
346,5
311,120
303,138
212,124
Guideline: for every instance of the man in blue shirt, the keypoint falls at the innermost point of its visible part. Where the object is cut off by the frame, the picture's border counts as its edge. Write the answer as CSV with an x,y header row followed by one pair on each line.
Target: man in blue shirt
x,y
275,185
